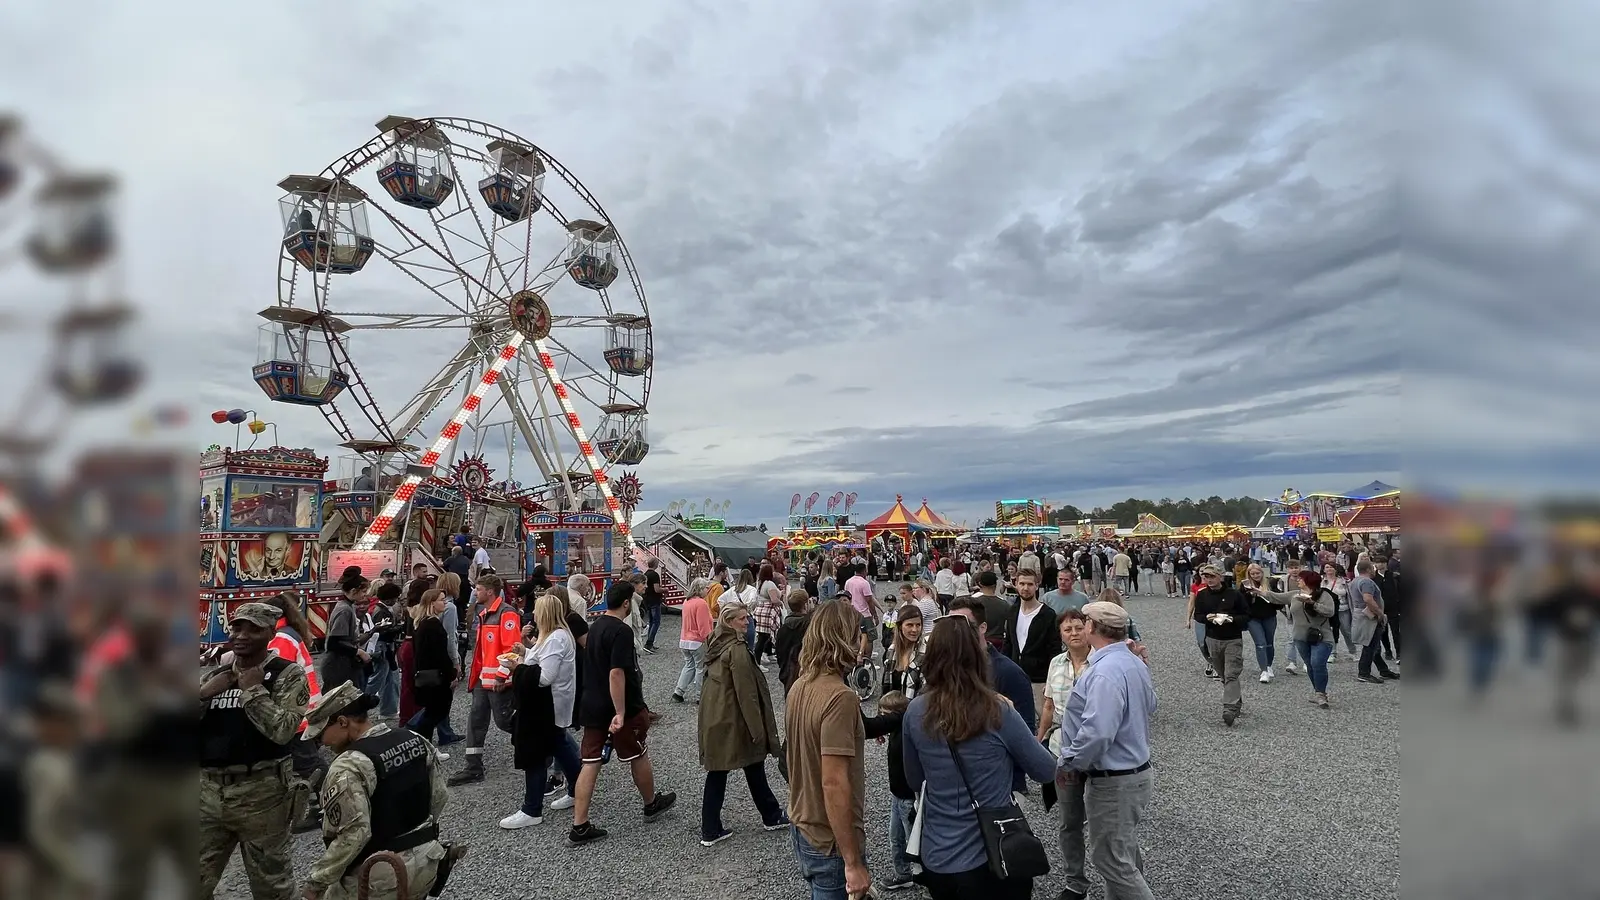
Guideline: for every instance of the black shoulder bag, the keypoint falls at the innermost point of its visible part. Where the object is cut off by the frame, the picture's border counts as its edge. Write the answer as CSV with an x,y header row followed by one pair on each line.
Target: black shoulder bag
x,y
1014,852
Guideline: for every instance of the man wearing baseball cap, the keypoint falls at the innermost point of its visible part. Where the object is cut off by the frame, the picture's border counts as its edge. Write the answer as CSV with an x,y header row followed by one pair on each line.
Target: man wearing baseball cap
x,y
249,712
384,791
1105,748
1225,613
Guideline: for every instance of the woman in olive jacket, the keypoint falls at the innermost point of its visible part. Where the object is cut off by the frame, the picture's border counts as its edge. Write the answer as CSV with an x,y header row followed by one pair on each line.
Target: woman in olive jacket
x,y
737,728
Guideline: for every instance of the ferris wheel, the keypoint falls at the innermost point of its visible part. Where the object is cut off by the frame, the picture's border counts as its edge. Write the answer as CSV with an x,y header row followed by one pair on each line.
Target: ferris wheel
x,y
60,253
484,278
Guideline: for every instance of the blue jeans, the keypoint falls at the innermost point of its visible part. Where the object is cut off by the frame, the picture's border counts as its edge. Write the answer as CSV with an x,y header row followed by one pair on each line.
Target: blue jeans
x,y
537,778
1265,634
1186,581
750,634
653,615
825,874
1343,620
1483,654
1316,657
693,672
899,831
1200,640
385,685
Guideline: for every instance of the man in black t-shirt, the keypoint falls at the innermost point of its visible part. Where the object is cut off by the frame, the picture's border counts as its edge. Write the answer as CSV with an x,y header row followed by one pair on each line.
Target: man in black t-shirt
x,y
611,677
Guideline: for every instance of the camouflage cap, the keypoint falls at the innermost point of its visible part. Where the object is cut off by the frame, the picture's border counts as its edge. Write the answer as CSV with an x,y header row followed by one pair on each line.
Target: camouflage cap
x,y
346,699
264,615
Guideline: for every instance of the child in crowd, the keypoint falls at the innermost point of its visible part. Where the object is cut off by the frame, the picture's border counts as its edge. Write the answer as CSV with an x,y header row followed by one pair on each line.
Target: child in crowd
x,y
891,710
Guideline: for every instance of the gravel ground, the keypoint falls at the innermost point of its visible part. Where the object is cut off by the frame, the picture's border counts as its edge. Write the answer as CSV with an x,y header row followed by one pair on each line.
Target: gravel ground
x,y
1291,801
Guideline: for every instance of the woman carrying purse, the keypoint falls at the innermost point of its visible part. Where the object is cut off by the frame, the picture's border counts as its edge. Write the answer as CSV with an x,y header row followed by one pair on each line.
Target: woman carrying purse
x,y
432,670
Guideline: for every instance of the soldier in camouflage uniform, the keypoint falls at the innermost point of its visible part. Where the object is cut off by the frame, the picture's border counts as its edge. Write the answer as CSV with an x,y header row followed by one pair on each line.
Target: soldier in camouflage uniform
x,y
249,712
384,791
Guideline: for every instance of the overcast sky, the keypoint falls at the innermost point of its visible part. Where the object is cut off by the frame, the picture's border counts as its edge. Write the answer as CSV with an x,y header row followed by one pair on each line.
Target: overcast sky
x,y
955,249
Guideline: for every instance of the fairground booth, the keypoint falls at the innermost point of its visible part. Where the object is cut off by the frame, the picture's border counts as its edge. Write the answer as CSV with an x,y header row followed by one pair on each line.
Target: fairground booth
x,y
260,520
816,532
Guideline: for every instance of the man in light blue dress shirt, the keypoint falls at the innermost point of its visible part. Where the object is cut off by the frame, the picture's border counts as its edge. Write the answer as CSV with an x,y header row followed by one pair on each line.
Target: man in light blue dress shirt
x,y
1105,744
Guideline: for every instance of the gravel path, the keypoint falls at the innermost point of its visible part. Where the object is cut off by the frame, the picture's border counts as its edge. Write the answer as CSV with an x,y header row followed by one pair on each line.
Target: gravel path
x,y
1292,801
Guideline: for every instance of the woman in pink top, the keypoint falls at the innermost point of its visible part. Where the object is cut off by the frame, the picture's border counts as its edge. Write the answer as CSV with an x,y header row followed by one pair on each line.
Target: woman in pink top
x,y
696,628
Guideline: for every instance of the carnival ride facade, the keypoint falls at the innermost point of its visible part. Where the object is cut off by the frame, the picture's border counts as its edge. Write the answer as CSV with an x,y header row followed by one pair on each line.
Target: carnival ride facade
x,y
527,284
260,524
1373,508
1020,519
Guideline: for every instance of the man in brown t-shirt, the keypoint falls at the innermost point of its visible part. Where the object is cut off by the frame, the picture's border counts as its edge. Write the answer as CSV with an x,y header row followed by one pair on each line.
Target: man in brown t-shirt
x,y
827,777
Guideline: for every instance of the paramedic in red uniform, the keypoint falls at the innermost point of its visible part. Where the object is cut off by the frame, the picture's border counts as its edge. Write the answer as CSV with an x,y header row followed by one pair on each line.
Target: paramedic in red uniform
x,y
499,631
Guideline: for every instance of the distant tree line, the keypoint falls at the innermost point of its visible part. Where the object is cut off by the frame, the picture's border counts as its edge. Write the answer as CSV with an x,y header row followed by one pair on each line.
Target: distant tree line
x,y
1177,513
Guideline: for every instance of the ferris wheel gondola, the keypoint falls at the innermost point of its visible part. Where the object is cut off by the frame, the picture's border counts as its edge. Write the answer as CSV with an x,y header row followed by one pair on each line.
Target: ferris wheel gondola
x,y
550,323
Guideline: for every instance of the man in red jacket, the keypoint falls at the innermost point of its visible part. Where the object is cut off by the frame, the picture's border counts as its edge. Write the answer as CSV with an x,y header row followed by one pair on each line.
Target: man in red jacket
x,y
499,631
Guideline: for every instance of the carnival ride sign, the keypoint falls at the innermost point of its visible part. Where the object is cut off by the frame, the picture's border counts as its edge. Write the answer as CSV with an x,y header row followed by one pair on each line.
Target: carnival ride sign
x,y
1015,513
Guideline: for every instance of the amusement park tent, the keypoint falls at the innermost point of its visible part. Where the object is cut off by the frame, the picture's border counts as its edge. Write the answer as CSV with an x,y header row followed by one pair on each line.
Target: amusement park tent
x,y
1374,489
650,525
941,526
897,521
734,547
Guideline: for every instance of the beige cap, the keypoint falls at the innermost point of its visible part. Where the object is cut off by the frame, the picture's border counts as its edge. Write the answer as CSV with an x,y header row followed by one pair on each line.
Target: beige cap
x,y
1109,614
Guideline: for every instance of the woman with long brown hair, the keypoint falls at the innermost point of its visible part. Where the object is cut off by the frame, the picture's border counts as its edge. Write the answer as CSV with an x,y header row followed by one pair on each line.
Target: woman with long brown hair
x,y
962,744
903,668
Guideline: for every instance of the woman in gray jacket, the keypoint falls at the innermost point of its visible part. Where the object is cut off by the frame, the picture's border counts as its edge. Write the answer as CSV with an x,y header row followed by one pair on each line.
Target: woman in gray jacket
x,y
1311,612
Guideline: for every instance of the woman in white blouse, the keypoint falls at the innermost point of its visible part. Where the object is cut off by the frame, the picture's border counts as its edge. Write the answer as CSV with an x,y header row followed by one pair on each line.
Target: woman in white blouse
x,y
538,739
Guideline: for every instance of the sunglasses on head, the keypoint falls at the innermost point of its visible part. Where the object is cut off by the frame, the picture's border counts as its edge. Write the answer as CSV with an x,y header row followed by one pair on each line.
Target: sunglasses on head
x,y
970,623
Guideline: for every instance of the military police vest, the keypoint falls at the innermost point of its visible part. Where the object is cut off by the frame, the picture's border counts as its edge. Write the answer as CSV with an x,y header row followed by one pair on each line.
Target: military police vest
x,y
403,799
227,737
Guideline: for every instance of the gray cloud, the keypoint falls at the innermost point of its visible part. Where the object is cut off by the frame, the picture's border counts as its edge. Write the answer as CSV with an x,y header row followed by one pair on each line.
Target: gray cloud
x,y
1033,258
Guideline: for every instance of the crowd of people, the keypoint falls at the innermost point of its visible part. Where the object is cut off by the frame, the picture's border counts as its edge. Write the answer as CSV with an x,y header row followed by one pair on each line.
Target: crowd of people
x,y
942,666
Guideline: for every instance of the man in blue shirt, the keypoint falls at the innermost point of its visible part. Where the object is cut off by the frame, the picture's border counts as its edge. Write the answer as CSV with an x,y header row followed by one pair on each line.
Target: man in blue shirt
x,y
1105,745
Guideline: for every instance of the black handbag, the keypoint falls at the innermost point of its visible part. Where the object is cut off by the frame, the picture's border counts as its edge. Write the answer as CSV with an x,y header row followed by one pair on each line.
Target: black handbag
x,y
1014,852
428,678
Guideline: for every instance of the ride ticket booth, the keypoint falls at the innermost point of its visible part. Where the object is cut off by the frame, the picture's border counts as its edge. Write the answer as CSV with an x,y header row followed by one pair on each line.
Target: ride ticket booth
x,y
572,543
260,518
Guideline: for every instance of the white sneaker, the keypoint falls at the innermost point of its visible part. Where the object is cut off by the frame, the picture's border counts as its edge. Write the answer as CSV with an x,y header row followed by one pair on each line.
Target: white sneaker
x,y
1292,669
1266,676
519,819
440,754
565,801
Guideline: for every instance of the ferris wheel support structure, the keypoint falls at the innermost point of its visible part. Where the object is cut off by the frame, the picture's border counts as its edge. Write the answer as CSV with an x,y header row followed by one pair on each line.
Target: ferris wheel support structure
x,y
447,437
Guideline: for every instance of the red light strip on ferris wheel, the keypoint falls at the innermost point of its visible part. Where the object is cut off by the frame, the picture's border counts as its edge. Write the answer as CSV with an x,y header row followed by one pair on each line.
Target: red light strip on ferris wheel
x,y
447,436
623,526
